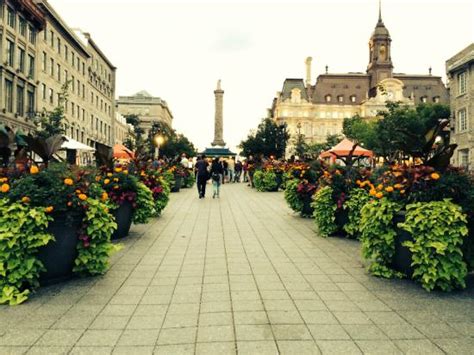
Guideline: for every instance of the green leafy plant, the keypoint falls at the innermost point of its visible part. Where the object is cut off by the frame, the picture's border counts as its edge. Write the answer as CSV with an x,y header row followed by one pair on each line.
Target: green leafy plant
x,y
291,195
145,204
324,211
22,232
265,181
357,199
438,229
377,236
95,248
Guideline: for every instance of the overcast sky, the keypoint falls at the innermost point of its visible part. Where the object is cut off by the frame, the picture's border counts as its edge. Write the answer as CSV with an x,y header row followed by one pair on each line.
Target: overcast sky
x,y
178,50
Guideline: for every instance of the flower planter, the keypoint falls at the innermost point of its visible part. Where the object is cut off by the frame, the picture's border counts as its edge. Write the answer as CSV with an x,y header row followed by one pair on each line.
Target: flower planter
x,y
123,217
307,210
342,217
58,256
178,180
402,257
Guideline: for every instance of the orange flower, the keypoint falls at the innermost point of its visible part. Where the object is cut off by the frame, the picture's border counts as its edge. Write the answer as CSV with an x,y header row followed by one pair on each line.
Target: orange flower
x,y
435,176
106,181
105,196
379,195
402,191
3,179
68,181
372,192
379,187
34,170
5,188
358,182
82,197
389,189
142,173
398,186
97,178
49,209
78,191
25,199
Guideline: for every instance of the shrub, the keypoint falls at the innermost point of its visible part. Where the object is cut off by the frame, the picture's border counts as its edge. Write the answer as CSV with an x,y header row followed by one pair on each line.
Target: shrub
x,y
22,232
324,211
299,195
377,236
265,181
438,229
356,201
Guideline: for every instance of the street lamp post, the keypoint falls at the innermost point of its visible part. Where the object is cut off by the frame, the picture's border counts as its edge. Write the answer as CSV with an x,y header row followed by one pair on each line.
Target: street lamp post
x,y
158,140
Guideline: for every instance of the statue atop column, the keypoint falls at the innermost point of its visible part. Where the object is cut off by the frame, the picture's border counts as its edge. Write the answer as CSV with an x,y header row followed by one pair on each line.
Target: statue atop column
x,y
218,118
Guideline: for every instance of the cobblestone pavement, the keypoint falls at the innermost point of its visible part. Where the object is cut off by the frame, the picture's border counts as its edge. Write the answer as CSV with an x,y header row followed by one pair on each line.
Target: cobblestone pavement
x,y
239,274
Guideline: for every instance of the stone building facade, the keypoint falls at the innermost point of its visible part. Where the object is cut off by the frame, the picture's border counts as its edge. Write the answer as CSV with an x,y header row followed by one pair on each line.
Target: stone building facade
x,y
148,108
460,72
122,129
20,23
319,110
60,55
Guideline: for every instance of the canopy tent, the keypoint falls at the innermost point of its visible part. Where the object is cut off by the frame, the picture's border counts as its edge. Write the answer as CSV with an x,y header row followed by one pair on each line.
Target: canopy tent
x,y
343,149
218,152
75,145
122,152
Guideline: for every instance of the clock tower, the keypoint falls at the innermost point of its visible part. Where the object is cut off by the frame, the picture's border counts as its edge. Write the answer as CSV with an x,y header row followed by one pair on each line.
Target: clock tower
x,y
380,61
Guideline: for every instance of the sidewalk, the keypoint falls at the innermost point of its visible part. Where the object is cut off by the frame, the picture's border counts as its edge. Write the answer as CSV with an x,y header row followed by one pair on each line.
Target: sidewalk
x,y
244,274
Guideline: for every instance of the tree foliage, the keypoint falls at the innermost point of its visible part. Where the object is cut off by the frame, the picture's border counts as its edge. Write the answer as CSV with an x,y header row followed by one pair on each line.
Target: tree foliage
x,y
317,148
401,131
270,139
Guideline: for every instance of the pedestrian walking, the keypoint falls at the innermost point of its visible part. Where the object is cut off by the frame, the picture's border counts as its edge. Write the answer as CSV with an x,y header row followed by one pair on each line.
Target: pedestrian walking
x,y
238,171
231,168
217,176
202,175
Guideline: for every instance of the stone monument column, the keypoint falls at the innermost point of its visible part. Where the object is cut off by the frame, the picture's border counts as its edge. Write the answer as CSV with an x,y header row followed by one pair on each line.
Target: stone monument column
x,y
218,123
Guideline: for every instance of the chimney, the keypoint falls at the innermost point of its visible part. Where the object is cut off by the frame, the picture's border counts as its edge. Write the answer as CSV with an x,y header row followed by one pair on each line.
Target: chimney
x,y
308,71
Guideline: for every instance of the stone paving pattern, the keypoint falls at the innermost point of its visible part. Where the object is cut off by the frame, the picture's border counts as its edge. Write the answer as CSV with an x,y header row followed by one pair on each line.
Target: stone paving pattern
x,y
244,275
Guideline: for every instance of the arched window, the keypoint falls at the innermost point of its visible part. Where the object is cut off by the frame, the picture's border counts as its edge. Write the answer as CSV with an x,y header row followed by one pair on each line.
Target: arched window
x,y
327,98
423,99
340,98
353,98
436,99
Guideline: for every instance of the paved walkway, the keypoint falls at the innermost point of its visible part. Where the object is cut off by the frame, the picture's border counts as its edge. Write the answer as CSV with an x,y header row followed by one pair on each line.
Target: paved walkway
x,y
240,274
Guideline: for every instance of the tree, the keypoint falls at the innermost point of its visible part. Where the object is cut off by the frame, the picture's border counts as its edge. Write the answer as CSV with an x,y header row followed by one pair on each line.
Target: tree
x,y
401,131
316,149
270,139
50,123
300,147
174,143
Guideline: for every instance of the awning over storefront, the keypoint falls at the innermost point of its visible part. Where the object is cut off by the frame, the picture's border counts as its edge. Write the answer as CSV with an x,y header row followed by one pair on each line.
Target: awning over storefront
x,y
75,145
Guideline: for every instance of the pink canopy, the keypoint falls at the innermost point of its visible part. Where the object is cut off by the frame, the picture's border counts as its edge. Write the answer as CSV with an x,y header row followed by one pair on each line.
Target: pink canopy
x,y
343,149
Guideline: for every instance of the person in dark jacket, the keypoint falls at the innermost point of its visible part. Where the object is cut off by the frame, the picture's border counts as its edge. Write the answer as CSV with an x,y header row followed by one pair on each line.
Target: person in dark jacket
x,y
201,175
217,172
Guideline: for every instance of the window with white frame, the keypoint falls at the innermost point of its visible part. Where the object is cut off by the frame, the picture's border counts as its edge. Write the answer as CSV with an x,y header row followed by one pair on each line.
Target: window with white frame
x,y
462,83
464,158
462,119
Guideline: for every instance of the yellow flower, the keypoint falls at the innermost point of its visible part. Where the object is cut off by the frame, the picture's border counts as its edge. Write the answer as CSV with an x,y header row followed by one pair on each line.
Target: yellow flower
x,y
106,181
109,174
78,191
435,176
97,178
389,189
402,191
5,188
118,170
125,172
398,186
34,170
142,173
25,199
105,196
379,187
3,180
116,179
116,187
68,181
379,195
82,197
49,209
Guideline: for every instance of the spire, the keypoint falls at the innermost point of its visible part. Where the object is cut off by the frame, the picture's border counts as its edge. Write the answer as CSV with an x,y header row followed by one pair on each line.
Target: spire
x,y
380,22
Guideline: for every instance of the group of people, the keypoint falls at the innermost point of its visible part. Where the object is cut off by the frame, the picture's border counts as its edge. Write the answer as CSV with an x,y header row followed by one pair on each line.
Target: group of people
x,y
218,170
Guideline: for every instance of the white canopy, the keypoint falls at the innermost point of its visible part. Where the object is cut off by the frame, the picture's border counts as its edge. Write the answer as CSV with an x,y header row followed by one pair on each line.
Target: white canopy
x,y
73,144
